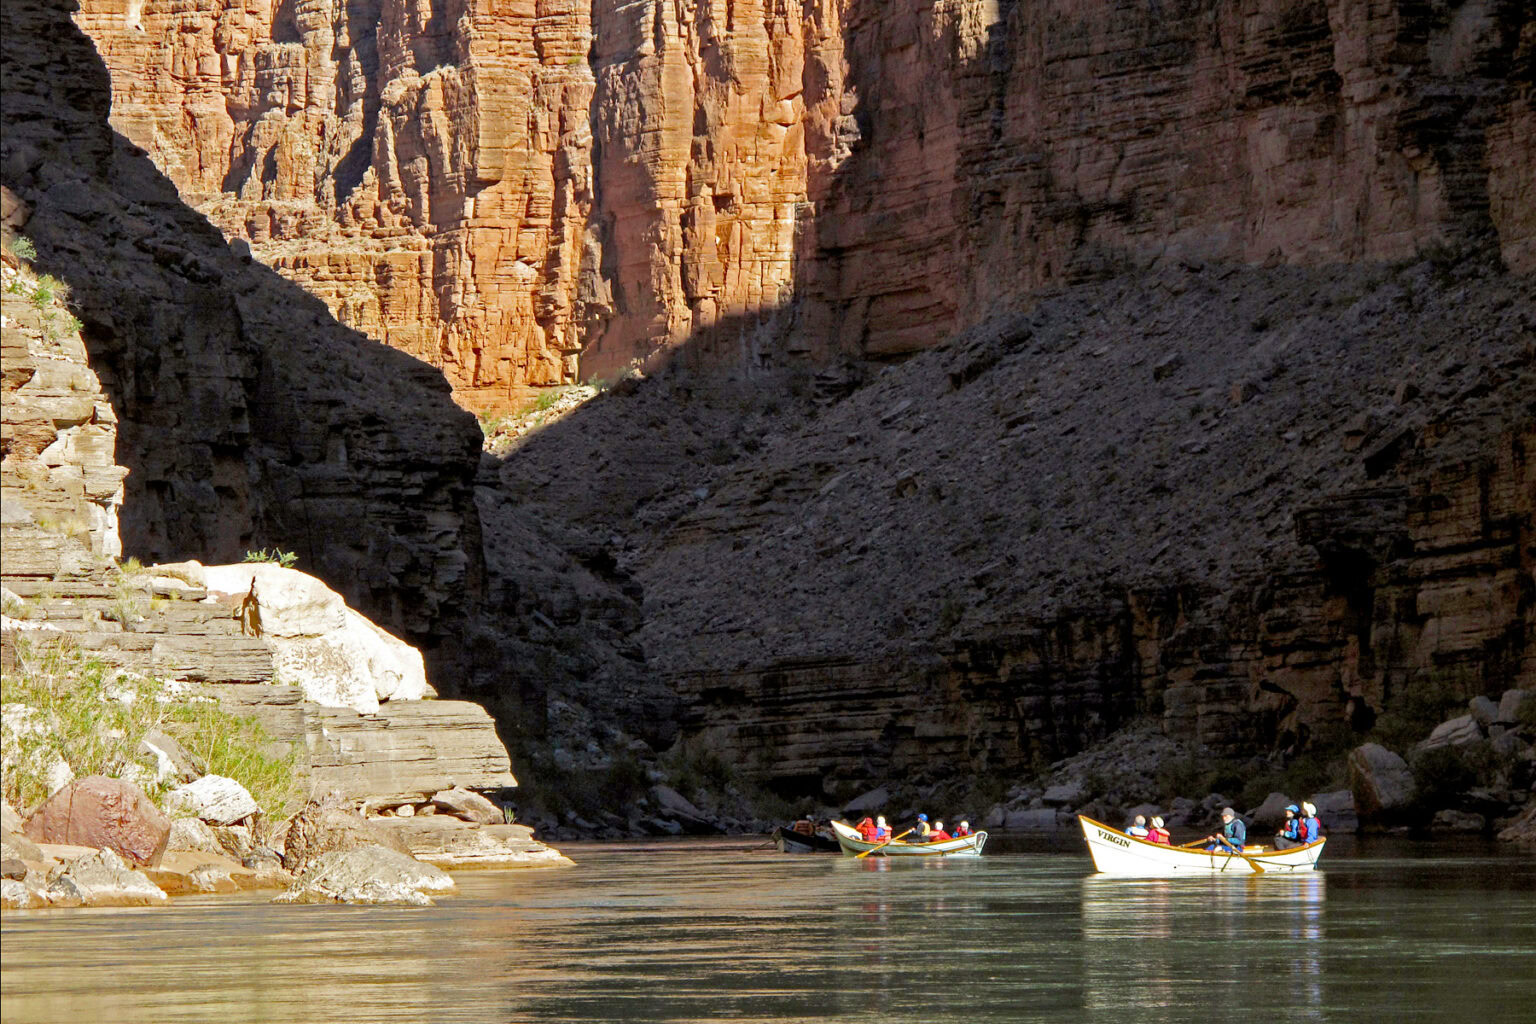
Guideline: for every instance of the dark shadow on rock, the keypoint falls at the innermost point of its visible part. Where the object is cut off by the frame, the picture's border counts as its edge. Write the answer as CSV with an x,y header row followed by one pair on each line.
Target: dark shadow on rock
x,y
248,417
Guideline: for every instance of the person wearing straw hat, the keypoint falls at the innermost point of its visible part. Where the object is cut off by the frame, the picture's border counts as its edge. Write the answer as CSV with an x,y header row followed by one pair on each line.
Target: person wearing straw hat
x,y
1158,834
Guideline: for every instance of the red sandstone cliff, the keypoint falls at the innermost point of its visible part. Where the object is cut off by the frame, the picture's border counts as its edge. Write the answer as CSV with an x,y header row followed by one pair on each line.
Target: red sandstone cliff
x,y
526,190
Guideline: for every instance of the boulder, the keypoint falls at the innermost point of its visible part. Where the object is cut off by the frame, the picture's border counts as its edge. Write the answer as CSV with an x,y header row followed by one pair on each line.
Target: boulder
x,y
106,813
13,867
183,872
1484,711
449,842
368,875
215,799
14,844
1458,821
1513,704
869,803
1453,733
172,761
335,655
328,827
1065,794
10,821
1523,828
468,805
1379,781
191,834
1271,813
19,894
1032,819
1336,810
102,879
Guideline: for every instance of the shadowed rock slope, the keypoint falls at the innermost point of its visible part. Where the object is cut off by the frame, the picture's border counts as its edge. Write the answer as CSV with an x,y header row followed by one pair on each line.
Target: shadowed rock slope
x,y
1235,498
247,416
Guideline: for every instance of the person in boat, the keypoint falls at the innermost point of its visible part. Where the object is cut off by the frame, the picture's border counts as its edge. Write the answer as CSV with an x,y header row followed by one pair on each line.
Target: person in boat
x,y
1138,828
866,830
922,830
805,827
938,835
882,830
1232,836
1290,832
964,830
1158,834
1311,828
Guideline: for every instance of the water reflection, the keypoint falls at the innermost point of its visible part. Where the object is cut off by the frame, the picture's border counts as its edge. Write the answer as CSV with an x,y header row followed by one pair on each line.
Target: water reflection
x,y
701,933
1139,934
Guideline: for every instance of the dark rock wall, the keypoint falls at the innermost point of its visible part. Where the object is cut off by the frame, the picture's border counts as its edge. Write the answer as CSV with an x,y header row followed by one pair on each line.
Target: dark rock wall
x,y
1429,578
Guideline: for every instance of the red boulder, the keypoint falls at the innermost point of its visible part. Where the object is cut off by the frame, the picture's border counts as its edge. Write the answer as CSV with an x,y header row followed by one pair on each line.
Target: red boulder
x,y
104,813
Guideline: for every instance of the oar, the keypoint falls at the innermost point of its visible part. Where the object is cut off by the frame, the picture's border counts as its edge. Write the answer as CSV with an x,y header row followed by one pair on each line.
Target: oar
x,y
883,845
1258,868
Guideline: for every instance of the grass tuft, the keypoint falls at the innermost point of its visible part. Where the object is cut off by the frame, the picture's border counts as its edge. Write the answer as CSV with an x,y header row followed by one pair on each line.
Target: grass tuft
x,y
60,703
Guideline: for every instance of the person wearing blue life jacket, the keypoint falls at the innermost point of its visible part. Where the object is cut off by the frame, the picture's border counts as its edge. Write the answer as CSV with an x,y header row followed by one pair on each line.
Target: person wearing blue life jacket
x,y
1232,836
1290,833
1138,828
1310,829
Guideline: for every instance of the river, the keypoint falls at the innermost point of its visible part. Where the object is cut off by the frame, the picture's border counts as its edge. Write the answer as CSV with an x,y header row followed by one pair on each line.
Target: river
x,y
704,931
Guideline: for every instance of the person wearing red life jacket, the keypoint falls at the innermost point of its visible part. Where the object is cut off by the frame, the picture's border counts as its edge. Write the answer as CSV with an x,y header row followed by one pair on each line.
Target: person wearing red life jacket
x,y
882,830
1158,834
1311,828
866,830
1290,831
964,830
938,835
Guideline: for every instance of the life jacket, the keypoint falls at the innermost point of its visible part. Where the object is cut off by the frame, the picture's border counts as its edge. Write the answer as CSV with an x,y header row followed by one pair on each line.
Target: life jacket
x,y
1236,832
1159,835
867,830
1291,828
963,831
881,834
1309,829
938,835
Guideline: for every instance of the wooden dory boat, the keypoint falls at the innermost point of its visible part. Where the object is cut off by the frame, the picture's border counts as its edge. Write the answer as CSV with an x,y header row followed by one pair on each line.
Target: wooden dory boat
x,y
966,846
790,841
1115,853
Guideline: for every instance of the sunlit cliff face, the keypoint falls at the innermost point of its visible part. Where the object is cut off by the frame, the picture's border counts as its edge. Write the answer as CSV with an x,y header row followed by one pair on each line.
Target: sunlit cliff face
x,y
524,193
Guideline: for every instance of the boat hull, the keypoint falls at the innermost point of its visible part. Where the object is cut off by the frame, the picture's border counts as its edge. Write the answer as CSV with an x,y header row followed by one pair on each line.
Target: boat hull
x,y
1115,853
853,845
790,841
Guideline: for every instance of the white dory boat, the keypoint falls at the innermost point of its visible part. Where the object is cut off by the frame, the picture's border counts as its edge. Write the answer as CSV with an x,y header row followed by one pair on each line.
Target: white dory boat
x,y
1115,853
853,844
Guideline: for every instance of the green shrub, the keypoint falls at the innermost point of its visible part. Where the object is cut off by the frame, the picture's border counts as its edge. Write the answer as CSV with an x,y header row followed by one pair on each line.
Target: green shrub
x,y
22,248
94,717
282,558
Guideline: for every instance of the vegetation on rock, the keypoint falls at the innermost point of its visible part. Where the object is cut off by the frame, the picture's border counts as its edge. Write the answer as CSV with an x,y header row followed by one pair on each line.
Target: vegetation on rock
x,y
61,702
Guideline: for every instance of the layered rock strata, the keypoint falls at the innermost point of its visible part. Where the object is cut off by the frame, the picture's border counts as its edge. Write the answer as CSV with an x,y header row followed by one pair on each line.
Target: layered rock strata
x,y
1261,505
503,189
247,416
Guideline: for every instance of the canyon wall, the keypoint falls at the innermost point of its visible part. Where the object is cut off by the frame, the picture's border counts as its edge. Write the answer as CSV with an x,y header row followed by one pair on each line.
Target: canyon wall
x,y
245,415
524,191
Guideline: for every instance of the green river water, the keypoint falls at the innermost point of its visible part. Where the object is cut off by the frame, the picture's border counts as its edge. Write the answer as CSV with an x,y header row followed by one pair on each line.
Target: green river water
x,y
705,930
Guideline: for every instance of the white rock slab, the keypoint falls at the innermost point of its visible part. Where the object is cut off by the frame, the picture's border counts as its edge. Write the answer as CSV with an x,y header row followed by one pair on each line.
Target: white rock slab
x,y
213,798
338,657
